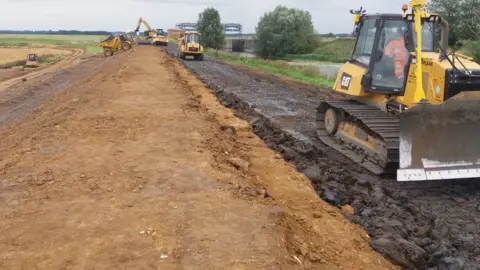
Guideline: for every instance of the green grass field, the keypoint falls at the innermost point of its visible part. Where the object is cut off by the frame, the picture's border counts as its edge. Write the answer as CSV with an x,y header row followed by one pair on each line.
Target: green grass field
x,y
334,50
308,74
89,43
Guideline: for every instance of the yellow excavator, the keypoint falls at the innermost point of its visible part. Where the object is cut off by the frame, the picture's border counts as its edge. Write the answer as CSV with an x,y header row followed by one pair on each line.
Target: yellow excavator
x,y
189,44
403,103
153,36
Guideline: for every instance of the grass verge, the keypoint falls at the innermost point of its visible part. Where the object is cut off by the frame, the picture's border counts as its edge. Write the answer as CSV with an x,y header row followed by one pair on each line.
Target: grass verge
x,y
50,58
307,74
336,50
472,48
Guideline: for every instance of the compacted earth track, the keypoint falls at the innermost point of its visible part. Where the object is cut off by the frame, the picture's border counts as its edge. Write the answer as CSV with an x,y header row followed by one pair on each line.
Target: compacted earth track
x,y
130,162
434,225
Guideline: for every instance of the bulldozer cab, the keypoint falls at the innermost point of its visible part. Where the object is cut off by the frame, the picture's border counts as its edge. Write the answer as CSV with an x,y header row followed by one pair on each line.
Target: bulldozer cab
x,y
32,57
384,46
160,32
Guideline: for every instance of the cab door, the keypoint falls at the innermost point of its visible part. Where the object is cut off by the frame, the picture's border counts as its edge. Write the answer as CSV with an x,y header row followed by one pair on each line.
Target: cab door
x,y
391,57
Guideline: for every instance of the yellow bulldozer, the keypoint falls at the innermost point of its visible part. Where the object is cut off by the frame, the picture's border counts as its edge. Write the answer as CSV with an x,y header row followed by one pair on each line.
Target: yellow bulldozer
x,y
189,44
32,62
405,104
160,38
115,43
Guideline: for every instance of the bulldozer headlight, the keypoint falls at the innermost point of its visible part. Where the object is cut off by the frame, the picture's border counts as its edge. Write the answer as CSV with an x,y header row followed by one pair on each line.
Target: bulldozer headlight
x,y
438,90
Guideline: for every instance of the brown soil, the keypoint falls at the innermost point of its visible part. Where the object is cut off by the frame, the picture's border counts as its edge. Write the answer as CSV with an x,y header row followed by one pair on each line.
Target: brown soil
x,y
43,72
139,167
8,55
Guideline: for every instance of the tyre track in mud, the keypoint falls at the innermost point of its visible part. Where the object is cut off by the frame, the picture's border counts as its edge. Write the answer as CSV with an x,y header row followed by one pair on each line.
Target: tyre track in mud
x,y
432,225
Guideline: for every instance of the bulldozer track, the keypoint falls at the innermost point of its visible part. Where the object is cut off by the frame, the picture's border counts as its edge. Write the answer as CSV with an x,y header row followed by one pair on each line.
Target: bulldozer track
x,y
373,120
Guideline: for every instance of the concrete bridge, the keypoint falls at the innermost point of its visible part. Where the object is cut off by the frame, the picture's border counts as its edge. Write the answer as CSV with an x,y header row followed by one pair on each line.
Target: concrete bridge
x,y
240,43
235,41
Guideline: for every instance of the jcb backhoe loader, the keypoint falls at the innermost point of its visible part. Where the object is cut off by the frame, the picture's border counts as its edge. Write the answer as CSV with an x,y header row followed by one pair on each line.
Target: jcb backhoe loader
x,y
189,45
114,43
407,104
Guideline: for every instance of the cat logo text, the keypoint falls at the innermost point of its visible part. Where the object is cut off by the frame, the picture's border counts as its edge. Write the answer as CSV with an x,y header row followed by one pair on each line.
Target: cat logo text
x,y
345,81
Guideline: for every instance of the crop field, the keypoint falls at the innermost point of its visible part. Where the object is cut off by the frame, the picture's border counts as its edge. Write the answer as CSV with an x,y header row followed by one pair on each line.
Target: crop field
x,y
86,42
8,55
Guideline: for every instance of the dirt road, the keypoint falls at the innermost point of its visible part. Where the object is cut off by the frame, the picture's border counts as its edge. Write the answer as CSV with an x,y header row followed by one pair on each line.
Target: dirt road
x,y
137,166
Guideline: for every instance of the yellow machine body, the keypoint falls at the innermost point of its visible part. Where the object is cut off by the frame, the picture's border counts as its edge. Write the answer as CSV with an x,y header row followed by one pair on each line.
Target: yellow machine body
x,y
422,119
189,44
433,82
160,38
151,35
32,61
115,43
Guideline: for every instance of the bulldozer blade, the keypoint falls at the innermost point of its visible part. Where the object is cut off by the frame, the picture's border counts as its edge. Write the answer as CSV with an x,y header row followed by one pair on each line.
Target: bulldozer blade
x,y
440,141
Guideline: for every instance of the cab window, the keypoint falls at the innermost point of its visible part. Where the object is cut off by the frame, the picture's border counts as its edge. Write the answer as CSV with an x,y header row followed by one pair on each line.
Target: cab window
x,y
365,41
428,36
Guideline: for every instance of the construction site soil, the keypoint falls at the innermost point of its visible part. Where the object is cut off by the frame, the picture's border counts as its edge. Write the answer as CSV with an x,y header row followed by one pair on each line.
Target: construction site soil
x,y
130,162
423,225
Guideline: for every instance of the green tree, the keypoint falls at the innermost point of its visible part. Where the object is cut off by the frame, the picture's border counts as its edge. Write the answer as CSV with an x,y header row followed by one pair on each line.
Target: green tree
x,y
211,29
471,21
462,15
285,31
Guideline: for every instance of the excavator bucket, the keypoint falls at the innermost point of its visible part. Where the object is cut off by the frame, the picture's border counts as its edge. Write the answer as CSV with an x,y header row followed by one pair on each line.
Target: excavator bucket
x,y
441,141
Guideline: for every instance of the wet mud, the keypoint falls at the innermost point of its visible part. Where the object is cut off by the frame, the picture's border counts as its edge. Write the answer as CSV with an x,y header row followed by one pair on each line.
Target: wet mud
x,y
424,225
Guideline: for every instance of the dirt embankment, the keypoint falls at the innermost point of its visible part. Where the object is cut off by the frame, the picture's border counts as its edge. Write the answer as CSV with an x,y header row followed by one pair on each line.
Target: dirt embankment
x,y
138,166
416,225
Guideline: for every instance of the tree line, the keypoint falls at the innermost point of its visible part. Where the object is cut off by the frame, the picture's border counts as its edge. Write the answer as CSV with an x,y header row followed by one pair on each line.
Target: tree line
x,y
280,32
285,31
463,17
58,32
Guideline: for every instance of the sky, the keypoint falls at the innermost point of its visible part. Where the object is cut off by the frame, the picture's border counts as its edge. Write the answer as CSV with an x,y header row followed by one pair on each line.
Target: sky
x,y
121,15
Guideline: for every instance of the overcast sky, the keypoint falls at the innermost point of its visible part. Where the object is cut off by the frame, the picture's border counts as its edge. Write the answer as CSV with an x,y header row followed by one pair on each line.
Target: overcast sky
x,y
112,15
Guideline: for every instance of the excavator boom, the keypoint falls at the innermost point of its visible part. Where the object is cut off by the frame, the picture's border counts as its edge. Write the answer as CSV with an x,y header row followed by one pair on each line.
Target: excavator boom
x,y
140,21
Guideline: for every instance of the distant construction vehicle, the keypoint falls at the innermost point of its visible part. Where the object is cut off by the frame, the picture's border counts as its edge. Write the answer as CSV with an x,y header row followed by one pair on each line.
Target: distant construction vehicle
x,y
405,105
130,37
152,36
189,44
115,43
161,38
32,62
